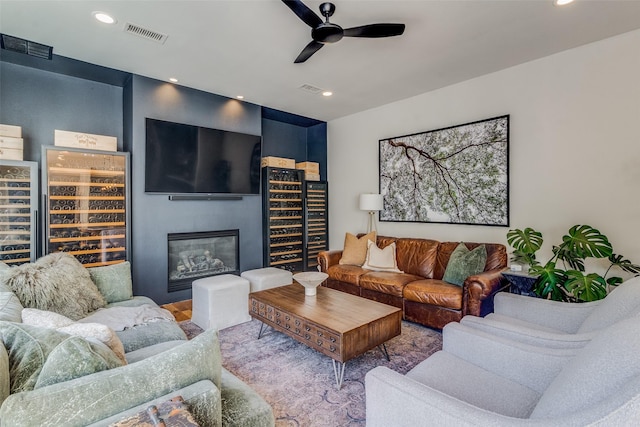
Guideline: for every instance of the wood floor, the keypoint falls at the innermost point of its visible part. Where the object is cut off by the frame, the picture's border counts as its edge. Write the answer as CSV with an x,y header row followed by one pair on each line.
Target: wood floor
x,y
181,310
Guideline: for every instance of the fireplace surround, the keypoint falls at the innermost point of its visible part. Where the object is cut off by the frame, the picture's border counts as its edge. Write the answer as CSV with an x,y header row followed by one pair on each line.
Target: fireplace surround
x,y
195,255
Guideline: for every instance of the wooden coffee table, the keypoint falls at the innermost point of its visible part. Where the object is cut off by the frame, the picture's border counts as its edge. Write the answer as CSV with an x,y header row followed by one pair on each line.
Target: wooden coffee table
x,y
339,325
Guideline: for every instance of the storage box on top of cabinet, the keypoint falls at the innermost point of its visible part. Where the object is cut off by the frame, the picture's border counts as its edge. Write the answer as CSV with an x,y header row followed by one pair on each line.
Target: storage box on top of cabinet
x,y
11,148
278,162
310,167
63,138
11,131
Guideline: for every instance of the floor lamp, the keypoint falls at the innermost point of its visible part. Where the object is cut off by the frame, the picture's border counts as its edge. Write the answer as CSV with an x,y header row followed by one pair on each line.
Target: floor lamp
x,y
371,203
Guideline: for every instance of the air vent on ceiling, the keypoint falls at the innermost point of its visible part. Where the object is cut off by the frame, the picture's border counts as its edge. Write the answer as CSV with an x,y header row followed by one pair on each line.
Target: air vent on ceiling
x,y
311,89
145,33
27,47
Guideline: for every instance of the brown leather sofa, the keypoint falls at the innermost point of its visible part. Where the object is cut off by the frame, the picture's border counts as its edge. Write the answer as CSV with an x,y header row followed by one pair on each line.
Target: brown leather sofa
x,y
420,291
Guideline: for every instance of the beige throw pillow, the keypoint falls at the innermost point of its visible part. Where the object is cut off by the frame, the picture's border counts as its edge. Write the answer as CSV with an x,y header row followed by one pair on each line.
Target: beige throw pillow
x,y
381,259
355,250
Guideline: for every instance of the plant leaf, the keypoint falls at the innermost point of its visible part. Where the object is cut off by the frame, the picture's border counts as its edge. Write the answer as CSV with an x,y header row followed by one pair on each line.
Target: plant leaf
x,y
624,264
586,241
526,242
571,258
549,282
614,281
590,287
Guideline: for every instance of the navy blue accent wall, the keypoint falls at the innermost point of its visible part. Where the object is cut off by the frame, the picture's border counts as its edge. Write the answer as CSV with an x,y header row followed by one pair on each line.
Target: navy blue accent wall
x,y
42,101
154,216
317,147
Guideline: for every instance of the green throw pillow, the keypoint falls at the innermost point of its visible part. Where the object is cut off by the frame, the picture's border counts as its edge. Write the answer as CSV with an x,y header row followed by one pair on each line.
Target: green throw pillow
x,y
113,281
464,263
41,356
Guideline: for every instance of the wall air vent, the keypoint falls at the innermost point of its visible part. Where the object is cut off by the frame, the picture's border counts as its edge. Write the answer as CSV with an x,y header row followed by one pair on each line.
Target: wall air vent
x,y
311,89
145,33
27,47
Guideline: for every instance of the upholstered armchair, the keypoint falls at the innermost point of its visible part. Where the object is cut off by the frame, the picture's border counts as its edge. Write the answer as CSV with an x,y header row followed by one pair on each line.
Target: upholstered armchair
x,y
557,324
481,379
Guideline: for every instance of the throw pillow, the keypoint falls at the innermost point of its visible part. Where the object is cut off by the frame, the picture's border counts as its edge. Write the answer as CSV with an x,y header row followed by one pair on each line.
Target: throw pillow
x,y
29,348
10,307
90,331
464,263
56,282
381,259
355,250
113,281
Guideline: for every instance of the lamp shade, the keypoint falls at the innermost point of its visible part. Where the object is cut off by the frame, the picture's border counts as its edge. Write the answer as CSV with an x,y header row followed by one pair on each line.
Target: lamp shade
x,y
371,202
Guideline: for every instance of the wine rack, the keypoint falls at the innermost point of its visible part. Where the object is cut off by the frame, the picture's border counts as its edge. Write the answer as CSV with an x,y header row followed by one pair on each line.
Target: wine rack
x,y
283,218
87,204
18,211
316,222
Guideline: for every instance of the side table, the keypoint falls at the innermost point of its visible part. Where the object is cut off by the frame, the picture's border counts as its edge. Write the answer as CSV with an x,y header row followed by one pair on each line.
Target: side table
x,y
521,282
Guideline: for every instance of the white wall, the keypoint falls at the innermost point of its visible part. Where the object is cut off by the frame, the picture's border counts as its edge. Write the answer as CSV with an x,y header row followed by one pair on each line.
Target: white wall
x,y
574,146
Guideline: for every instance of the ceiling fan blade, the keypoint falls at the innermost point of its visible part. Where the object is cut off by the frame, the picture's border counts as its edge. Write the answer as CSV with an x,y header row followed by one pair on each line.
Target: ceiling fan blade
x,y
375,30
303,12
308,50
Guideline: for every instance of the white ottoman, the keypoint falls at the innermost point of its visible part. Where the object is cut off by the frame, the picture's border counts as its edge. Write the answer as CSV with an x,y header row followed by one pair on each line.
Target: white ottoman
x,y
220,301
267,278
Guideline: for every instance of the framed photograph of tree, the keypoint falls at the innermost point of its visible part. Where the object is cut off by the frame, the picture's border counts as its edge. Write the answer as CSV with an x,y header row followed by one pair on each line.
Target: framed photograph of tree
x,y
454,175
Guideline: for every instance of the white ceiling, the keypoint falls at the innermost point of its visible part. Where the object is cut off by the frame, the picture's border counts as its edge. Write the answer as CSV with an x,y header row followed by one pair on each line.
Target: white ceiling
x,y
247,47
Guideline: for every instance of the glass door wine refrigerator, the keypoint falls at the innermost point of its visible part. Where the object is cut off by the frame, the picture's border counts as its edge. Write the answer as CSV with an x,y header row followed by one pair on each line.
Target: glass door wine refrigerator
x,y
18,211
86,204
283,218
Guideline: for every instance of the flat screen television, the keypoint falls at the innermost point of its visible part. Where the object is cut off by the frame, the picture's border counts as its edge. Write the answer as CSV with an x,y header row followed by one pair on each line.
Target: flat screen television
x,y
186,159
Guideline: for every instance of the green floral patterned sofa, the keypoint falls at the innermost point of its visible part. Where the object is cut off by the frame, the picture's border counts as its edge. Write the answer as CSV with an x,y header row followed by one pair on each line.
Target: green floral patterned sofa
x,y
61,367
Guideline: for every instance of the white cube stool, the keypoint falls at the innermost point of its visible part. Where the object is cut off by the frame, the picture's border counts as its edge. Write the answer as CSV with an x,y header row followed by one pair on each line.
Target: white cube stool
x,y
220,301
267,278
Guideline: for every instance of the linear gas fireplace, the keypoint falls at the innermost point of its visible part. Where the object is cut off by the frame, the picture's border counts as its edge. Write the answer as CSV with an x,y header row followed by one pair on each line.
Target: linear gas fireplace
x,y
196,255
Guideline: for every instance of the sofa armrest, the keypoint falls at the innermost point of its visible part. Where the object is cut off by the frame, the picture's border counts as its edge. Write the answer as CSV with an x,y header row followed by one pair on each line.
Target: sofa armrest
x,y
393,399
328,258
91,398
567,317
478,287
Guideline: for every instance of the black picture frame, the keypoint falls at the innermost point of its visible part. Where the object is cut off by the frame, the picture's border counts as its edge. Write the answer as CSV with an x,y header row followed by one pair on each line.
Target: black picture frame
x,y
453,175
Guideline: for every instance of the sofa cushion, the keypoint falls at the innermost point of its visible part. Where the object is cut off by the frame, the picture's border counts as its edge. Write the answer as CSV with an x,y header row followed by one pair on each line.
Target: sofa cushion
x,y
346,273
56,282
464,263
434,292
42,356
381,259
10,306
355,249
416,256
90,331
386,282
113,281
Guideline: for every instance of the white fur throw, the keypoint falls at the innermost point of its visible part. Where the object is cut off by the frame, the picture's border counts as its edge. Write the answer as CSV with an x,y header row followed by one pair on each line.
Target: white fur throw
x,y
56,282
89,331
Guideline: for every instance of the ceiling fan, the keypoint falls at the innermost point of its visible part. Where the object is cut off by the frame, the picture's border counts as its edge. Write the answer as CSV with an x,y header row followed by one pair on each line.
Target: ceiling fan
x,y
327,32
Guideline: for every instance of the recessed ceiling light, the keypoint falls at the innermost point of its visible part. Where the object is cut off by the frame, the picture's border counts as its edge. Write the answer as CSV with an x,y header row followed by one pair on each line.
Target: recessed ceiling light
x,y
240,97
104,17
327,93
173,80
562,2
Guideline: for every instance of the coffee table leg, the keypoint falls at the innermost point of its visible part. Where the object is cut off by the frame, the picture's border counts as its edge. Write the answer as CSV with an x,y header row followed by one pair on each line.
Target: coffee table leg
x,y
261,328
338,371
383,349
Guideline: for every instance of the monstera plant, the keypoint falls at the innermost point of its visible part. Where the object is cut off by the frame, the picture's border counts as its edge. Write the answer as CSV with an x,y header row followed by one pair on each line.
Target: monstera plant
x,y
563,277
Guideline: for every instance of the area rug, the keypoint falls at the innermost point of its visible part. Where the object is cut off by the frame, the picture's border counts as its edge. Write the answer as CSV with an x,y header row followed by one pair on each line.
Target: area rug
x,y
299,383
